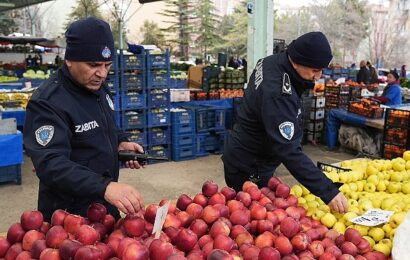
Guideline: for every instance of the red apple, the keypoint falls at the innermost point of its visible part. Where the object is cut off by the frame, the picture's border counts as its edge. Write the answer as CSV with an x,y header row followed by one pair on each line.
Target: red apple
x,y
100,228
234,205
185,218
274,182
349,248
265,239
219,228
123,245
87,235
244,238
326,242
223,210
210,214
272,217
88,253
31,219
346,257
172,221
332,234
229,193
282,190
183,201
240,217
218,254
30,237
258,212
37,247
223,242
300,241
15,233
364,246
316,248
195,255
292,200
375,255
73,222
45,227
172,207
186,240
252,252
106,251
264,225
281,203
283,245
209,188
269,253
55,236
201,200
244,197
13,251
4,246
151,212
255,193
109,223
133,226
289,227
25,255
352,235
236,230
58,217
217,198
327,256
334,250
96,212
266,202
135,251
68,248
199,227
160,250
204,240
50,254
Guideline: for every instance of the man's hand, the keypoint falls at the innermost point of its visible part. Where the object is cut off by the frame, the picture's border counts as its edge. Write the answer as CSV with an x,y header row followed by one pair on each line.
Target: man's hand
x,y
123,196
339,203
130,146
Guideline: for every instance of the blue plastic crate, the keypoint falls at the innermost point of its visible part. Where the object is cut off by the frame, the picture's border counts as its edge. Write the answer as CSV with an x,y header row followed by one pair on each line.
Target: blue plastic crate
x,y
200,144
158,98
158,61
159,151
219,117
183,117
138,136
133,100
183,153
158,79
116,99
327,71
160,117
177,83
11,149
132,82
118,119
133,119
113,83
183,128
11,173
158,135
202,116
183,140
132,62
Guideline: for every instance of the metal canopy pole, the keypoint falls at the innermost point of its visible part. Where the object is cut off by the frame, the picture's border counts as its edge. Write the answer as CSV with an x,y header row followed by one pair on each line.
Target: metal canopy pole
x,y
260,31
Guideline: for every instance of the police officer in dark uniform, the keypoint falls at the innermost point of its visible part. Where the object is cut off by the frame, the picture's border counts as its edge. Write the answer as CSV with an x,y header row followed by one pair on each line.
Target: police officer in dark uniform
x,y
269,128
70,130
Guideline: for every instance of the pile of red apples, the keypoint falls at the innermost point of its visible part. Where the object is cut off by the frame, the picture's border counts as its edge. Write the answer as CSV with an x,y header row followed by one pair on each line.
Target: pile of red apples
x,y
257,224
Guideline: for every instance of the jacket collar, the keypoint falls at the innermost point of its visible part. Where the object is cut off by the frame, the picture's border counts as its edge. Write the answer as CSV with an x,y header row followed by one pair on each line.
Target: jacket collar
x,y
300,84
73,84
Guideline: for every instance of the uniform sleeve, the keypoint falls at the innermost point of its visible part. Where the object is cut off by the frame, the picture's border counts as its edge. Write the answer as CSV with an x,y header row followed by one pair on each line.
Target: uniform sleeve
x,y
280,118
51,156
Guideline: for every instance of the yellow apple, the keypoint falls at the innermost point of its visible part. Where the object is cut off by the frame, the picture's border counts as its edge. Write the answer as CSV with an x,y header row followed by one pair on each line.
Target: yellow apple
x,y
377,203
339,227
386,241
371,170
385,249
352,203
381,186
360,185
309,197
352,195
328,219
365,205
394,187
406,155
370,240
324,208
312,204
362,229
318,214
370,187
397,219
373,179
396,176
353,186
305,191
407,165
387,228
376,233
399,164
348,216
387,203
301,200
405,188
297,190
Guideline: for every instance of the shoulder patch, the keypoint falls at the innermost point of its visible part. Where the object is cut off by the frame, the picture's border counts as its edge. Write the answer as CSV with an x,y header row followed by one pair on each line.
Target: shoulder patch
x,y
287,129
110,103
286,85
44,134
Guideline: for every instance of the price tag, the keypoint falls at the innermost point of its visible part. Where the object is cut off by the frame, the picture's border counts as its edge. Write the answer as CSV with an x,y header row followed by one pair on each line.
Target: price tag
x,y
160,219
373,217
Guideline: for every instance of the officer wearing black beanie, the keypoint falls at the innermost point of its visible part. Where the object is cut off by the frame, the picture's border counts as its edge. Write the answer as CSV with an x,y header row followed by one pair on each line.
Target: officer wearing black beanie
x,y
70,130
269,125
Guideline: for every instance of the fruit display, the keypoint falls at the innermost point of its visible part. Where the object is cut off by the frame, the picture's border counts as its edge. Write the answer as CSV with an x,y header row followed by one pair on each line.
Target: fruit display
x,y
14,99
8,79
39,74
380,184
217,223
396,127
367,108
336,96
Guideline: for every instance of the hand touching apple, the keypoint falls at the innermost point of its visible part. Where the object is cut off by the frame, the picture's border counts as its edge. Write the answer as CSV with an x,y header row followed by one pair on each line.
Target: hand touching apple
x,y
123,196
339,203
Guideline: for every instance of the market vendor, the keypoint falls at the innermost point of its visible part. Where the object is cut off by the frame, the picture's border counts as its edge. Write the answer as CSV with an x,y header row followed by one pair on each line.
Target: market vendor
x,y
269,126
392,92
70,131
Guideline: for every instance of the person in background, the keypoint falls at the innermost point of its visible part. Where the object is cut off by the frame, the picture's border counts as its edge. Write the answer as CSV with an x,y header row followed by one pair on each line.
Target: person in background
x,y
233,62
29,61
363,76
269,125
374,77
392,92
403,73
70,130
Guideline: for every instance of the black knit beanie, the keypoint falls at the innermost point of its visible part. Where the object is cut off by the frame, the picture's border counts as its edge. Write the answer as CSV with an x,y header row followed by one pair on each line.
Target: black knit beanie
x,y
89,39
311,49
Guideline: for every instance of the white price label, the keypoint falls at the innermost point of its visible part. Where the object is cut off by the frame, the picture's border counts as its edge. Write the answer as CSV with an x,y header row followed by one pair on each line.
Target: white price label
x,y
160,219
373,217
163,120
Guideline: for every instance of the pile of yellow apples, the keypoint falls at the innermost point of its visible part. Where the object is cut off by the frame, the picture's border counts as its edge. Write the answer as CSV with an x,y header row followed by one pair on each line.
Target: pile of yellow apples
x,y
367,184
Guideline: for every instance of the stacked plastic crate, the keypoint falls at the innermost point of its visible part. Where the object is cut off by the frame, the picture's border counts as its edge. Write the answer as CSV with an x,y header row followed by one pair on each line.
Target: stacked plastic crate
x,y
396,133
113,83
132,97
183,134
158,101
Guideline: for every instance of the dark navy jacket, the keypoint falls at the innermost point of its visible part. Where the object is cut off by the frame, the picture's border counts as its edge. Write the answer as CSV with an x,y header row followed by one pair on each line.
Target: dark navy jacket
x,y
270,126
71,137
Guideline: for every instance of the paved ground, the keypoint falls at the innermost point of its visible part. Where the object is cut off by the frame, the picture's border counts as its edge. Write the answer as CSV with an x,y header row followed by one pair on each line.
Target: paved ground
x,y
155,182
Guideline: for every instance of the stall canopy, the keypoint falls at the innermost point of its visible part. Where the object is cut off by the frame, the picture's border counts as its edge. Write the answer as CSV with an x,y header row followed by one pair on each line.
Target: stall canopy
x,y
51,43
6,5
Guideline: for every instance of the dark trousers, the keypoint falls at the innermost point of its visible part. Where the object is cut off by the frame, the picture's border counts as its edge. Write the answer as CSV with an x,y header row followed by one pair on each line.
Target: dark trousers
x,y
235,177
